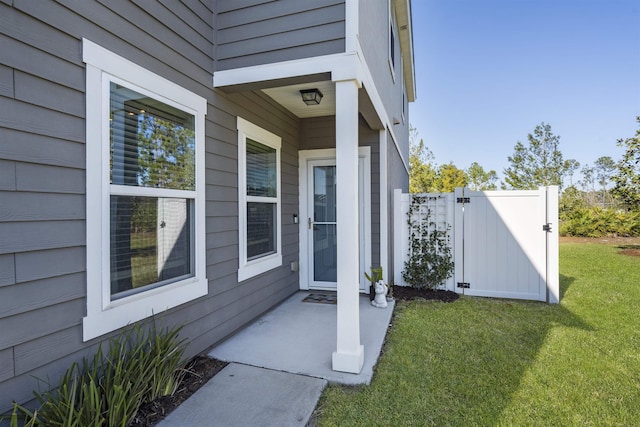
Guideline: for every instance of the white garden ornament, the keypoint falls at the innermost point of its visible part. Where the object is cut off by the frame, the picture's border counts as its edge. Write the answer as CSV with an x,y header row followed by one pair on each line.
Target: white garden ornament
x,y
380,300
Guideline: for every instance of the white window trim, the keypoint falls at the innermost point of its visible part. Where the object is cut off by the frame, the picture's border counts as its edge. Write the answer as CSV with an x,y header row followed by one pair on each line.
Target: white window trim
x,y
250,268
104,315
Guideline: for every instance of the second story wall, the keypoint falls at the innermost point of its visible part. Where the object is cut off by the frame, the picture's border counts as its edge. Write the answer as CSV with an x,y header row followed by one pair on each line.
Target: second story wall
x,y
384,59
256,32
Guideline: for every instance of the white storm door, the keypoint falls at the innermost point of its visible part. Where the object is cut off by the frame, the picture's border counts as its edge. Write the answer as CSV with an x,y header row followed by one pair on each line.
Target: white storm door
x,y
321,223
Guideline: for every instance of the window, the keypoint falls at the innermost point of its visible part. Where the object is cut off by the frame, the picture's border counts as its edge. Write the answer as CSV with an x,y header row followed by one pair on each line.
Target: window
x,y
145,193
259,200
392,41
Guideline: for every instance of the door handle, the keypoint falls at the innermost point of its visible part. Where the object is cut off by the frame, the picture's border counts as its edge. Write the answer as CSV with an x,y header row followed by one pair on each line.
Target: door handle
x,y
309,223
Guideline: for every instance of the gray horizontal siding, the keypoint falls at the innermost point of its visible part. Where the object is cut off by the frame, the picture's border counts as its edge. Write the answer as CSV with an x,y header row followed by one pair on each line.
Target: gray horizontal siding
x,y
58,317
41,92
40,351
42,177
41,121
257,32
36,265
7,176
374,39
6,364
28,147
35,236
29,59
7,269
6,81
397,177
32,296
19,206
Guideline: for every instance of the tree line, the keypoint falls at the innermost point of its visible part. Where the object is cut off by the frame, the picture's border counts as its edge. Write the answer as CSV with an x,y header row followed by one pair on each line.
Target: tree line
x,y
605,201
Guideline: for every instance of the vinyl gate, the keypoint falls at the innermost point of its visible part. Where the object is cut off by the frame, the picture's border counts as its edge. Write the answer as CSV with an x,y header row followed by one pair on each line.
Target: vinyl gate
x,y
504,243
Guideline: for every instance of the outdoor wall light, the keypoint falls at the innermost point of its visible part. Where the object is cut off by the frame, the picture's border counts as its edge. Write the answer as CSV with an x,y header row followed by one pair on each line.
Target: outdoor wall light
x,y
311,96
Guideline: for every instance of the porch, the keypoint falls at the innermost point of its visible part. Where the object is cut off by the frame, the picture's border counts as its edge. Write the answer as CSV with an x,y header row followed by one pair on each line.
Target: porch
x,y
299,337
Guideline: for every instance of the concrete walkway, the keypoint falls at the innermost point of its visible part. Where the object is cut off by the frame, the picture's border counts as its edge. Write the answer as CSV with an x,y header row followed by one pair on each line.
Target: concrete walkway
x,y
242,395
279,366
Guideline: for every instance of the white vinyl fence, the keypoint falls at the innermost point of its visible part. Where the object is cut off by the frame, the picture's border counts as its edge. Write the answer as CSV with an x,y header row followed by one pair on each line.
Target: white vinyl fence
x,y
504,243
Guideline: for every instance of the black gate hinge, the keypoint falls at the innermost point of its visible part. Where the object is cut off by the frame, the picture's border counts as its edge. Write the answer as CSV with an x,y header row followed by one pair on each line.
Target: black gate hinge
x,y
463,200
546,227
464,285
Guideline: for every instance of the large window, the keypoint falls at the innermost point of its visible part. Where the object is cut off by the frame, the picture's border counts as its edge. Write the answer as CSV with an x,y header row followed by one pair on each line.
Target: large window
x,y
259,200
145,183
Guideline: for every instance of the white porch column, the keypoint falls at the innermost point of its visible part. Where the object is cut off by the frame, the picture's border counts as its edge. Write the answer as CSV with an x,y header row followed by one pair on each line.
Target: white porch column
x,y
349,354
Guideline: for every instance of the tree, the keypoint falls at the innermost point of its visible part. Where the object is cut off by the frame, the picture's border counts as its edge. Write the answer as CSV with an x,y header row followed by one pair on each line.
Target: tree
x,y
605,167
539,164
422,168
479,179
449,177
588,184
627,178
571,166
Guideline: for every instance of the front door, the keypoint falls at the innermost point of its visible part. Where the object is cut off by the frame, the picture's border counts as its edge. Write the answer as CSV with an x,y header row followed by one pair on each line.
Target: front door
x,y
321,223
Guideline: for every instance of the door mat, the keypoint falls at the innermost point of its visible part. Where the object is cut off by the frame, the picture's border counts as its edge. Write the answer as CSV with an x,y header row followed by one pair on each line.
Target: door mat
x,y
321,298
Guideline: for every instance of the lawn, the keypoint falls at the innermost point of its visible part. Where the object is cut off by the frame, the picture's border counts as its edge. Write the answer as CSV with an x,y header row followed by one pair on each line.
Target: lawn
x,y
487,362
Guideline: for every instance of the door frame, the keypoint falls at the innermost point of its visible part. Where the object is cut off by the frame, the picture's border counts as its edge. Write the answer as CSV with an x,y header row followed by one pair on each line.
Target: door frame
x,y
365,258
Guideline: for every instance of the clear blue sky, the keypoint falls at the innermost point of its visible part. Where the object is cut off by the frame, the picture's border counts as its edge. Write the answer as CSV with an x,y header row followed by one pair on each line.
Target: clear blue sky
x,y
489,71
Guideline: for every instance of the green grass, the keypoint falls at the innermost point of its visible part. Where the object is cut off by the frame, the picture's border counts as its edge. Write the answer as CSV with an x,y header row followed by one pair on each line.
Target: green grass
x,y
503,362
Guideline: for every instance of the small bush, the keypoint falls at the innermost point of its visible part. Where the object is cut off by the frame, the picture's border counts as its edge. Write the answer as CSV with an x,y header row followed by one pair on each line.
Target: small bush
x,y
430,261
600,222
107,390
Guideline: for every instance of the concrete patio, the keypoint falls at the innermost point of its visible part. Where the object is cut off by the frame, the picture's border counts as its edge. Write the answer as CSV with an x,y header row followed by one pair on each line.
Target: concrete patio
x,y
279,366
299,337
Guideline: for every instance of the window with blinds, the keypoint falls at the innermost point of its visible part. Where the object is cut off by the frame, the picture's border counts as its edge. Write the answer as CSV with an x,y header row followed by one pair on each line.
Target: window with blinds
x,y
259,199
152,191
145,198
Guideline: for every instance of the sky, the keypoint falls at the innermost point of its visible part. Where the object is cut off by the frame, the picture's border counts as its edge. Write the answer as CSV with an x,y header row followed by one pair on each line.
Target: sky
x,y
489,71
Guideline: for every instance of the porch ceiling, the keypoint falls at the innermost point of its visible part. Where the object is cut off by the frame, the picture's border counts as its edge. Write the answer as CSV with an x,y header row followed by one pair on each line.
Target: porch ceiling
x,y
289,97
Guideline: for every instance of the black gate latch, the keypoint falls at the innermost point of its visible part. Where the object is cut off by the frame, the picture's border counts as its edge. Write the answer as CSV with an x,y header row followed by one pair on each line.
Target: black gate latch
x,y
547,227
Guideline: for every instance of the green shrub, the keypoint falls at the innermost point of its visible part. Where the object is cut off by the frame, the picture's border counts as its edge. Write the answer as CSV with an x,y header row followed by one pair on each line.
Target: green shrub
x,y
599,222
107,390
430,261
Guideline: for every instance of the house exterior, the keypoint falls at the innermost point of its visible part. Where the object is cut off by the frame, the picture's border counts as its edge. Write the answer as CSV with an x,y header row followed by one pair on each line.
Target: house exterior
x,y
157,157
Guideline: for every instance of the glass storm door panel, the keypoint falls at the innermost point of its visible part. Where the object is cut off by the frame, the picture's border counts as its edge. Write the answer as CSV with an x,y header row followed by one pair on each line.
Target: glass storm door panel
x,y
323,225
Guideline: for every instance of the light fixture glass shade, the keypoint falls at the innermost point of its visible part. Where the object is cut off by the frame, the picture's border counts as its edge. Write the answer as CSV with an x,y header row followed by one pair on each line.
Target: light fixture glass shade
x,y
311,96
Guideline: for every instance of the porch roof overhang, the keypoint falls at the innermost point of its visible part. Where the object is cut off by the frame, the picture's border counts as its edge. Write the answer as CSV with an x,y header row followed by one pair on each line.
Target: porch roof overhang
x,y
282,81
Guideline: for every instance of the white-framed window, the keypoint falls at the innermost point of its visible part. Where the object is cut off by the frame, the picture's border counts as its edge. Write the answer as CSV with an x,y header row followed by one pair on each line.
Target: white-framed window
x,y
392,40
259,219
145,193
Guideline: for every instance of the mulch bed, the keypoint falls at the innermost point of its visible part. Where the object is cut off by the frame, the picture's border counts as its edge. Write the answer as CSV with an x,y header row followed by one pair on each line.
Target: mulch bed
x,y
406,293
200,369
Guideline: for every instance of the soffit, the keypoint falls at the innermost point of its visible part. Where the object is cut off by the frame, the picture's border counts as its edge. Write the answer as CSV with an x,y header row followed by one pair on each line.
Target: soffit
x,y
289,97
405,30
